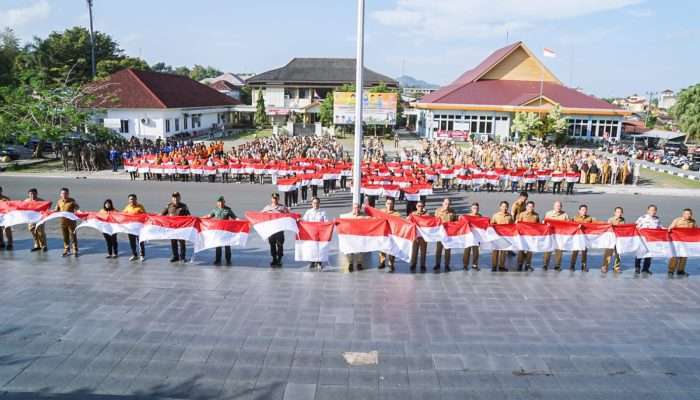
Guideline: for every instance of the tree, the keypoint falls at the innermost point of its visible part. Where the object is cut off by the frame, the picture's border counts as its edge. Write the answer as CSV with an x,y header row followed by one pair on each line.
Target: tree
x,y
526,124
686,111
326,110
66,55
199,72
553,124
162,67
9,49
184,71
108,67
260,113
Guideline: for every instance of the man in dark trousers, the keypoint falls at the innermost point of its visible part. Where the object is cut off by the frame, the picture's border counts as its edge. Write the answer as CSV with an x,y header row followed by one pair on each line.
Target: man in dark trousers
x,y
222,211
176,208
276,240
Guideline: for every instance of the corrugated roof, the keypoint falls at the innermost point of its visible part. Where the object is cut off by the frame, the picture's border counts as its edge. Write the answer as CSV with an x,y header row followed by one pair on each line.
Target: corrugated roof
x,y
319,70
515,93
130,88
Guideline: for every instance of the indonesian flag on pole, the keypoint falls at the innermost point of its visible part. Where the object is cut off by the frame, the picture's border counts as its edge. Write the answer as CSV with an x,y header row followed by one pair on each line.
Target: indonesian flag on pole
x,y
549,53
534,237
158,227
459,235
628,240
362,235
599,236
222,232
114,222
313,241
402,234
686,242
267,224
51,215
658,242
567,235
429,228
17,212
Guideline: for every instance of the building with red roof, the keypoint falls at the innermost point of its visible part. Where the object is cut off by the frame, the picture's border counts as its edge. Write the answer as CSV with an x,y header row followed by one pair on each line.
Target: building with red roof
x,y
153,104
483,100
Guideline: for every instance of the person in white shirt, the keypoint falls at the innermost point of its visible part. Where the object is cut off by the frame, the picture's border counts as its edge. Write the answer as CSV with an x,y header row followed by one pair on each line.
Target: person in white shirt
x,y
315,214
646,221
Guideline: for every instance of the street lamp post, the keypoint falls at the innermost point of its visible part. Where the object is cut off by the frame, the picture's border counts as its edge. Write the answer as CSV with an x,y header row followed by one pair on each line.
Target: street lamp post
x,y
92,39
359,69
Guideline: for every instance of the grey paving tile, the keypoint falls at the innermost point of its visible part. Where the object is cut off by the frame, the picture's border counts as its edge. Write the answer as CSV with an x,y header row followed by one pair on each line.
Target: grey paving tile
x,y
300,391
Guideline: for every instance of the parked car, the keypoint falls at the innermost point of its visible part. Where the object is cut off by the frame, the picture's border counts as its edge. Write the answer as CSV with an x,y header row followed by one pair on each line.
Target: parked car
x,y
675,149
47,146
9,153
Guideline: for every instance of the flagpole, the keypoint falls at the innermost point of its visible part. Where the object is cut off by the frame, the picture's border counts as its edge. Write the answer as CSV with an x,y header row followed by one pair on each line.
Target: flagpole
x,y
359,69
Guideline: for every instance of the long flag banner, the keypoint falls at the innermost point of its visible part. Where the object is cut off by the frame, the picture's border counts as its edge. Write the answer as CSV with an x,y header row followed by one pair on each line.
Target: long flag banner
x,y
18,212
114,222
361,235
159,227
313,241
222,232
686,242
267,224
51,215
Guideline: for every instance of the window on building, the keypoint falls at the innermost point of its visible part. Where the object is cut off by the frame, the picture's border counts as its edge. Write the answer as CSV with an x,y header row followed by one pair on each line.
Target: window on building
x,y
303,93
177,124
288,93
196,121
184,123
124,126
167,125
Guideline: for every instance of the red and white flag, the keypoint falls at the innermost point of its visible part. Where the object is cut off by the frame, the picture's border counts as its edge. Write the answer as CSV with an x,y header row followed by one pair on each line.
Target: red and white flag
x,y
313,241
158,227
51,215
362,235
657,242
567,235
114,222
459,235
628,240
549,53
599,236
402,234
686,242
267,224
17,212
430,228
479,226
222,232
534,237
503,237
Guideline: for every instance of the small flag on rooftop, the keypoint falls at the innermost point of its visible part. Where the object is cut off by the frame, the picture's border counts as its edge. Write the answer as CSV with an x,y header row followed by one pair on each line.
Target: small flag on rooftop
x,y
549,53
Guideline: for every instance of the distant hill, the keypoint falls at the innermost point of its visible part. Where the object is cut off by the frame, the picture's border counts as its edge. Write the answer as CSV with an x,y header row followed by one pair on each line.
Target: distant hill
x,y
409,81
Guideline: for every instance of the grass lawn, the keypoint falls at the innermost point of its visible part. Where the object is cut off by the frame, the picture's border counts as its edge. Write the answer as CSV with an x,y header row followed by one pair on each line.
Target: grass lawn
x,y
648,177
49,166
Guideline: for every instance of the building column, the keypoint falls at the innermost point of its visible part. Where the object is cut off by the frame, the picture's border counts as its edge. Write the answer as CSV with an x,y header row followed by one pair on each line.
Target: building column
x,y
619,130
589,128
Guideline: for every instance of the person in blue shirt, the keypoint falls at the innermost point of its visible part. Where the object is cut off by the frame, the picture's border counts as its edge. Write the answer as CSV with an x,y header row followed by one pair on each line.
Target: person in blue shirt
x,y
114,159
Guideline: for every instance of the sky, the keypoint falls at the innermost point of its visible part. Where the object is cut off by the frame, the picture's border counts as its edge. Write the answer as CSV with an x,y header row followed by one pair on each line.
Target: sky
x,y
606,47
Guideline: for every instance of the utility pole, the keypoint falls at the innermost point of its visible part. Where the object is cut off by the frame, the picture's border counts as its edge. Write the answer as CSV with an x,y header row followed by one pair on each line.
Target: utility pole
x,y
92,39
359,70
646,120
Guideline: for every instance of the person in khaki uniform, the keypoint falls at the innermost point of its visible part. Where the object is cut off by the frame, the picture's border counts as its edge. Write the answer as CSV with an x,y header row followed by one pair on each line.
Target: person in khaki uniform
x,y
582,218
557,214
529,215
498,257
616,219
37,232
70,240
606,172
446,214
473,251
677,264
383,257
519,205
5,231
419,245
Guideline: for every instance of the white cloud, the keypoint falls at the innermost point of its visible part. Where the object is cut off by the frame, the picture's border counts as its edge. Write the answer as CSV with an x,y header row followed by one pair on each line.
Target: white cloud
x,y
485,18
641,12
20,16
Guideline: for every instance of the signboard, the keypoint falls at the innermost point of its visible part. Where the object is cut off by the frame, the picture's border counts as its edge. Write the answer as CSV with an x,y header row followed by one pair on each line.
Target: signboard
x,y
457,135
377,108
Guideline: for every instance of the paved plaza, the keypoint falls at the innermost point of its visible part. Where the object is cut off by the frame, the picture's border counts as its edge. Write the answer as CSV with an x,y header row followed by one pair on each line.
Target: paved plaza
x,y
90,328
